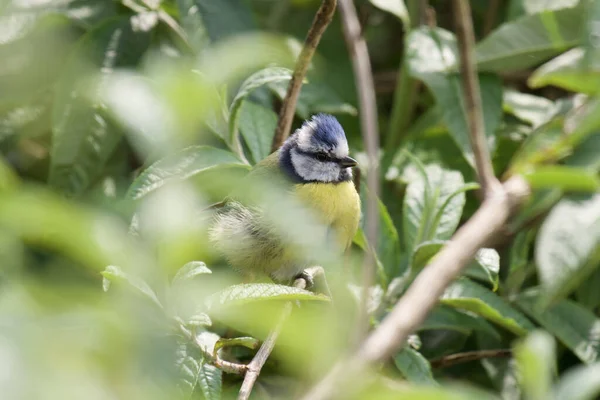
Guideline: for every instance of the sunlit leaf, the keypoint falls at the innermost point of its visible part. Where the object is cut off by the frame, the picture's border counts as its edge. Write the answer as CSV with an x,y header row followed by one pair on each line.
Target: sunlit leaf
x,y
432,57
190,271
568,245
538,36
536,359
579,383
533,109
567,71
564,178
115,274
395,7
252,292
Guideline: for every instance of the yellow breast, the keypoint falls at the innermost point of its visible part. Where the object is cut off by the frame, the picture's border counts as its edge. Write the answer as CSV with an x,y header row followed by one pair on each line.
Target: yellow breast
x,y
338,205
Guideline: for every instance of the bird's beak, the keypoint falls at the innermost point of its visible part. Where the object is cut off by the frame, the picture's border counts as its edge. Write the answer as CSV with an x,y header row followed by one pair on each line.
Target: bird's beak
x,y
348,162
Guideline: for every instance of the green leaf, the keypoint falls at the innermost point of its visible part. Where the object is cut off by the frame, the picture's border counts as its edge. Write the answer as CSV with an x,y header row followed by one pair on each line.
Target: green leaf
x,y
535,110
210,380
83,137
256,80
179,166
447,318
536,359
562,177
316,96
586,153
519,264
470,296
253,292
116,274
567,71
587,294
529,40
388,242
576,327
590,36
431,57
257,126
414,367
564,256
579,383
190,271
395,7
433,206
536,6
227,18
485,267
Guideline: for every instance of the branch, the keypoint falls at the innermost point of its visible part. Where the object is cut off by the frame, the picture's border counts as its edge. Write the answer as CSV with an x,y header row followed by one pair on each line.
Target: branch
x,y
357,47
260,358
286,113
423,294
467,356
470,83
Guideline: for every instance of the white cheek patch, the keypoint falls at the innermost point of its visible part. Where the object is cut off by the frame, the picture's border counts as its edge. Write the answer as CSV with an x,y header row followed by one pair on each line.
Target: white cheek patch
x,y
312,170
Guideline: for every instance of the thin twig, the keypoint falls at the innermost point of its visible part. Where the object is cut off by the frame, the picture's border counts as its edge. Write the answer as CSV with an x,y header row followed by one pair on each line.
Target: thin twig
x,y
261,356
423,294
288,107
470,81
467,356
225,366
363,77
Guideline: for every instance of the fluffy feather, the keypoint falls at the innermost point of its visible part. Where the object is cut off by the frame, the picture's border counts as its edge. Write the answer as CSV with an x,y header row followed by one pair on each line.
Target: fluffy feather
x,y
255,246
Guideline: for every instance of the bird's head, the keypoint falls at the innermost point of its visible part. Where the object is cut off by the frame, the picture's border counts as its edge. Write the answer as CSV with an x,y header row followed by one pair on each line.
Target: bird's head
x,y
318,152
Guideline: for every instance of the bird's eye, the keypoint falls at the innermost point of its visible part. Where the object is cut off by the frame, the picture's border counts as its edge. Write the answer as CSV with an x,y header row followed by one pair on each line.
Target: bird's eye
x,y
321,157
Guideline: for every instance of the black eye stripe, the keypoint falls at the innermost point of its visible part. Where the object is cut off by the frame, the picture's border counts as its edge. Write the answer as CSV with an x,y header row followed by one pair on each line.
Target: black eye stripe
x,y
321,156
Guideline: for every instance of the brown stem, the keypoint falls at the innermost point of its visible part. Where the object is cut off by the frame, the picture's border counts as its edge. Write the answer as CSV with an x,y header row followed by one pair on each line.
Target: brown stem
x,y
363,76
286,113
261,356
467,356
470,84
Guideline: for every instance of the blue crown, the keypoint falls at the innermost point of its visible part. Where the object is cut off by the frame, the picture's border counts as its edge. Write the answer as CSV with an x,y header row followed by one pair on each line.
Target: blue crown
x,y
327,130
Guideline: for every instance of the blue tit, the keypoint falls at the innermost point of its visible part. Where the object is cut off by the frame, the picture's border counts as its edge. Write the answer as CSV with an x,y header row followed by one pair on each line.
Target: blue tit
x,y
316,168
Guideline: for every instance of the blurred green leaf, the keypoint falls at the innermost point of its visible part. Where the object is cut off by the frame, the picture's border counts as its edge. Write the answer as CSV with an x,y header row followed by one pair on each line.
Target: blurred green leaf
x,y
190,271
536,6
590,36
395,7
252,292
256,80
567,71
586,153
414,367
587,293
535,110
388,242
562,177
246,341
536,359
257,126
227,18
186,163
485,267
432,57
433,205
579,383
445,317
564,255
470,296
519,260
576,327
83,136
538,36
115,274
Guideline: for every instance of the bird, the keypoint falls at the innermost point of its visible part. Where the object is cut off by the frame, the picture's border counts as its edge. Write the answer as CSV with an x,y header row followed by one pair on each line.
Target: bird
x,y
315,168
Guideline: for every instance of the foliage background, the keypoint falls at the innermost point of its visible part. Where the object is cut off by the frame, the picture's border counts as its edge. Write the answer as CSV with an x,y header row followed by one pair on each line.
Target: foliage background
x,y
121,121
